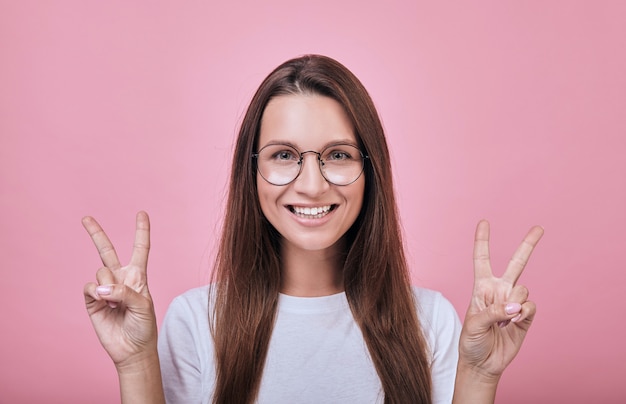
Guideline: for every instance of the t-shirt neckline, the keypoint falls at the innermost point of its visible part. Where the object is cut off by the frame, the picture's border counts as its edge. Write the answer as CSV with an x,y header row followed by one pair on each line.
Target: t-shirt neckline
x,y
321,304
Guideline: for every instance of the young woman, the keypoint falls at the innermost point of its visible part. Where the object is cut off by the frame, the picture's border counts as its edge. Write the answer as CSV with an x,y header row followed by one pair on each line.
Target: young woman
x,y
311,300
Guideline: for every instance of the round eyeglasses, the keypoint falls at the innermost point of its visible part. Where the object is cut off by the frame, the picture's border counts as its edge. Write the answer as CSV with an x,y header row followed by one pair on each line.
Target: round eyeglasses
x,y
280,164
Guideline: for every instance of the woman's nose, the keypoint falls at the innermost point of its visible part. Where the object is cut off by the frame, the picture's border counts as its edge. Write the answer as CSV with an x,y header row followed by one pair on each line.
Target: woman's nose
x,y
310,181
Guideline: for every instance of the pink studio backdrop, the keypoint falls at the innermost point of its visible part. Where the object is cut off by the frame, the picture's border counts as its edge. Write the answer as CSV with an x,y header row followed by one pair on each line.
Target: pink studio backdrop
x,y
511,111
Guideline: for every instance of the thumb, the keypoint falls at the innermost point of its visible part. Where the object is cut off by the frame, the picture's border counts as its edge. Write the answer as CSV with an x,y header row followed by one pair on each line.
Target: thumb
x,y
115,294
498,313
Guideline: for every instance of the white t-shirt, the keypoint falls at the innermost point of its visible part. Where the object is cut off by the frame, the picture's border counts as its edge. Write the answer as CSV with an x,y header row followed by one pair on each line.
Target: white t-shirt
x,y
316,354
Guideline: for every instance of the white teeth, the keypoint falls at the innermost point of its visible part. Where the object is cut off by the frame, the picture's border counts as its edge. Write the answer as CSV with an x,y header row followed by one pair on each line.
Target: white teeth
x,y
316,212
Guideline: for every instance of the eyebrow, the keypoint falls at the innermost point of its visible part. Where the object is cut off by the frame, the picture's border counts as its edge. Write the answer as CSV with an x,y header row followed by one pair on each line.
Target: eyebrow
x,y
324,146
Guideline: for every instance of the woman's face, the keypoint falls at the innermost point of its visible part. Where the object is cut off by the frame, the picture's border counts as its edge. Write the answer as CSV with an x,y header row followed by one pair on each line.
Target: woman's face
x,y
310,213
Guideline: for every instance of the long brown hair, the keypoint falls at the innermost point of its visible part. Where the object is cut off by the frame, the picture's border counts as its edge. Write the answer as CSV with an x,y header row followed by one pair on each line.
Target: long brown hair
x,y
376,278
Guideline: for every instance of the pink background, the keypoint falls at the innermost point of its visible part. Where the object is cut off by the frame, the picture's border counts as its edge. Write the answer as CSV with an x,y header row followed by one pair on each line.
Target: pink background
x,y
513,111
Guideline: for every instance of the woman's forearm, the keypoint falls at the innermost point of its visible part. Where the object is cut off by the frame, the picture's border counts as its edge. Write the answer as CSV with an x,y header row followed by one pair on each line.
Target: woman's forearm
x,y
140,382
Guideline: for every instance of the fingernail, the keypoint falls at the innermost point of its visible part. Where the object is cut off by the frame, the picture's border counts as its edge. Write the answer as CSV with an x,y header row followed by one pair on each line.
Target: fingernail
x,y
512,308
112,305
516,318
103,290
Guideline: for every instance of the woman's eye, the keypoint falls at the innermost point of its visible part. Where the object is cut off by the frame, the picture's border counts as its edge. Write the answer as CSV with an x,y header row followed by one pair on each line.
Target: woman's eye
x,y
284,155
338,155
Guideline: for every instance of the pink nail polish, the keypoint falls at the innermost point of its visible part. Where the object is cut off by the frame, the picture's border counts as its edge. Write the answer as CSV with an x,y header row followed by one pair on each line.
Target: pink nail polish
x,y
512,308
103,290
516,318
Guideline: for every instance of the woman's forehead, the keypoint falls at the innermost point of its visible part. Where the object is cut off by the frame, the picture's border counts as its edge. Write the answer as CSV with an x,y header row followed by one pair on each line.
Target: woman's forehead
x,y
305,121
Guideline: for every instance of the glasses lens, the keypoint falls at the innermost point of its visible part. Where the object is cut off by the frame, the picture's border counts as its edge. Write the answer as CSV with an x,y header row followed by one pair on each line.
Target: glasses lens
x,y
342,164
278,163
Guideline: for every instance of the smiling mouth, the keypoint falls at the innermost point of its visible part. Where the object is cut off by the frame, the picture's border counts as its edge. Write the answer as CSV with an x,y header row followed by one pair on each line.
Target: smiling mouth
x,y
311,213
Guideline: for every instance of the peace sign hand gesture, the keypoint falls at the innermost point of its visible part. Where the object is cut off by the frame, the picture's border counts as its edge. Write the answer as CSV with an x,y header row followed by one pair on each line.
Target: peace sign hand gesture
x,y
499,314
119,304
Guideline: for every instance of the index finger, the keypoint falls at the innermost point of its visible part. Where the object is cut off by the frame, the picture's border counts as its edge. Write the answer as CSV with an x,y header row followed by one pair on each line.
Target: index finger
x,y
102,243
522,254
482,262
141,246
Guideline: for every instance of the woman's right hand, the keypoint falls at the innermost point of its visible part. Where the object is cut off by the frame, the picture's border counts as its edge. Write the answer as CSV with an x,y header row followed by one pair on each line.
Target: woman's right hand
x,y
119,304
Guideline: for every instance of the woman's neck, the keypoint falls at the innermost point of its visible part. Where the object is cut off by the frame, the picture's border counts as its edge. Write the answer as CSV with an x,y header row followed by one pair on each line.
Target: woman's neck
x,y
311,273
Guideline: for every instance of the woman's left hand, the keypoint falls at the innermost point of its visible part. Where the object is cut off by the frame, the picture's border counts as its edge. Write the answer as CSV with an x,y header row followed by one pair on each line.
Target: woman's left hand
x,y
499,314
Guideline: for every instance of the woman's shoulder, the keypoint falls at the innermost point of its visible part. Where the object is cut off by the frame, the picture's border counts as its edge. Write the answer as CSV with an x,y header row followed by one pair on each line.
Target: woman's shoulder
x,y
428,297
433,307
194,294
442,327
193,301
200,293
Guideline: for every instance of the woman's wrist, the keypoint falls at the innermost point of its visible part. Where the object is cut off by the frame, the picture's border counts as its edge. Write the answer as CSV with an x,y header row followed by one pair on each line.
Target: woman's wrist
x,y
140,362
474,385
476,373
